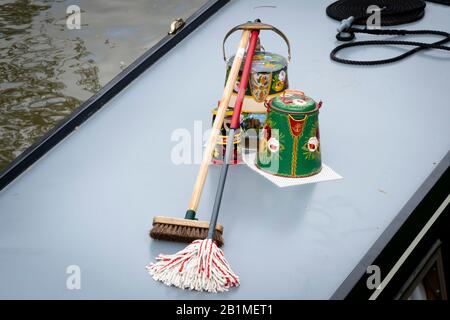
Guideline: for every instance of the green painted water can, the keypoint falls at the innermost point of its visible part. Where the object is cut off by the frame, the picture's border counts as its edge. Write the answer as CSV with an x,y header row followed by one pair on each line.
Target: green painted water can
x,y
289,144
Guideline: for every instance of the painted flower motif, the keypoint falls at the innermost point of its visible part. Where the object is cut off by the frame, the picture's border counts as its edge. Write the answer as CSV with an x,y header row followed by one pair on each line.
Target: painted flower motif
x,y
263,80
299,102
260,95
236,86
279,85
273,144
313,144
282,75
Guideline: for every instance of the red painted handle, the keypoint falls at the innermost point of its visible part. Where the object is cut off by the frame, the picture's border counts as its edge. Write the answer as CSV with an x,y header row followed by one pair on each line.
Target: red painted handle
x,y
320,104
244,80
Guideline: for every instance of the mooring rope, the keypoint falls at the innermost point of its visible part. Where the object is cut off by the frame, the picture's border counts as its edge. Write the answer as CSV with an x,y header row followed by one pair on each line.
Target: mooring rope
x,y
393,12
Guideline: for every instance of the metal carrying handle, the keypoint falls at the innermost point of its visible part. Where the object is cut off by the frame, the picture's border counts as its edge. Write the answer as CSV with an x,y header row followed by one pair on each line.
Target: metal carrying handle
x,y
257,26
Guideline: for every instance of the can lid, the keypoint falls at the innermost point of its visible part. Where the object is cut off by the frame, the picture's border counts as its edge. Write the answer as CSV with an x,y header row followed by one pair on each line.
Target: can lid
x,y
293,101
264,62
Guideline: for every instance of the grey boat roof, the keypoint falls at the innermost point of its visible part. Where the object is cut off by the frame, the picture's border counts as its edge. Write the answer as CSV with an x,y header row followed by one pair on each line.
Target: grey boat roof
x,y
90,201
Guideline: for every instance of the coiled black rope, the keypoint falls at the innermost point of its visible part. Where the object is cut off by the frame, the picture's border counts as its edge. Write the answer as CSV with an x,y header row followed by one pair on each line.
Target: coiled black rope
x,y
393,12
418,45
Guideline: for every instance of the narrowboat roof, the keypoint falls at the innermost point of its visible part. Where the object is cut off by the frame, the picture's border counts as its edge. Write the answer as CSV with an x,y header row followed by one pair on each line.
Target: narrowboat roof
x,y
91,199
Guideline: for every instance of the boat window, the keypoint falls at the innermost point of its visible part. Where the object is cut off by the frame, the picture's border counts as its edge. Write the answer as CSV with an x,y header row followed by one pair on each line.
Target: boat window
x,y
428,280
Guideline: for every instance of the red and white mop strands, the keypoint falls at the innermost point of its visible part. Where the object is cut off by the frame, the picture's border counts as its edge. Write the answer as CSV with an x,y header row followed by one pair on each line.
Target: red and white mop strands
x,y
200,266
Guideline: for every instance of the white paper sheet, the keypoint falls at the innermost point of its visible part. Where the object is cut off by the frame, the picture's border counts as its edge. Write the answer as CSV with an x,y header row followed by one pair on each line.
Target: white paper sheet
x,y
326,174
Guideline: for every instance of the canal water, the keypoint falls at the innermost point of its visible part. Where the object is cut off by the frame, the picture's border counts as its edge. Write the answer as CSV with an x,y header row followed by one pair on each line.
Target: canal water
x,y
52,59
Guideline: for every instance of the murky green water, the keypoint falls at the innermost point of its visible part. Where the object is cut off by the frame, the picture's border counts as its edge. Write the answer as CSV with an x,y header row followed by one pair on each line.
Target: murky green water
x,y
47,70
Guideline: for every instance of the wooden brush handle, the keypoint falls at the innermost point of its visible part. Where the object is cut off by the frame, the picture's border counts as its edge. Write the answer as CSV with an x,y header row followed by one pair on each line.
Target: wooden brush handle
x,y
207,155
231,132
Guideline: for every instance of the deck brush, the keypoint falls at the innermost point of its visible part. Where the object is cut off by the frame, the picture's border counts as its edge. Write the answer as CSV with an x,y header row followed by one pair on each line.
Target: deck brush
x,y
202,266
183,230
189,228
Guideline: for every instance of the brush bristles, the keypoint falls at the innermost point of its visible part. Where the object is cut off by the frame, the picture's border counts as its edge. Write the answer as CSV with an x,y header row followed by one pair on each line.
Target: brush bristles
x,y
187,234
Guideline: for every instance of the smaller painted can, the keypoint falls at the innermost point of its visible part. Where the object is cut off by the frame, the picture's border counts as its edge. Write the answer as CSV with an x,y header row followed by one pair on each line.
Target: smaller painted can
x,y
289,144
268,78
221,144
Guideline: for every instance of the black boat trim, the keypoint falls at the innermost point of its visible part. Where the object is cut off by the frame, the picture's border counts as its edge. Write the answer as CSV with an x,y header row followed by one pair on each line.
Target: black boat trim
x,y
105,94
399,234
